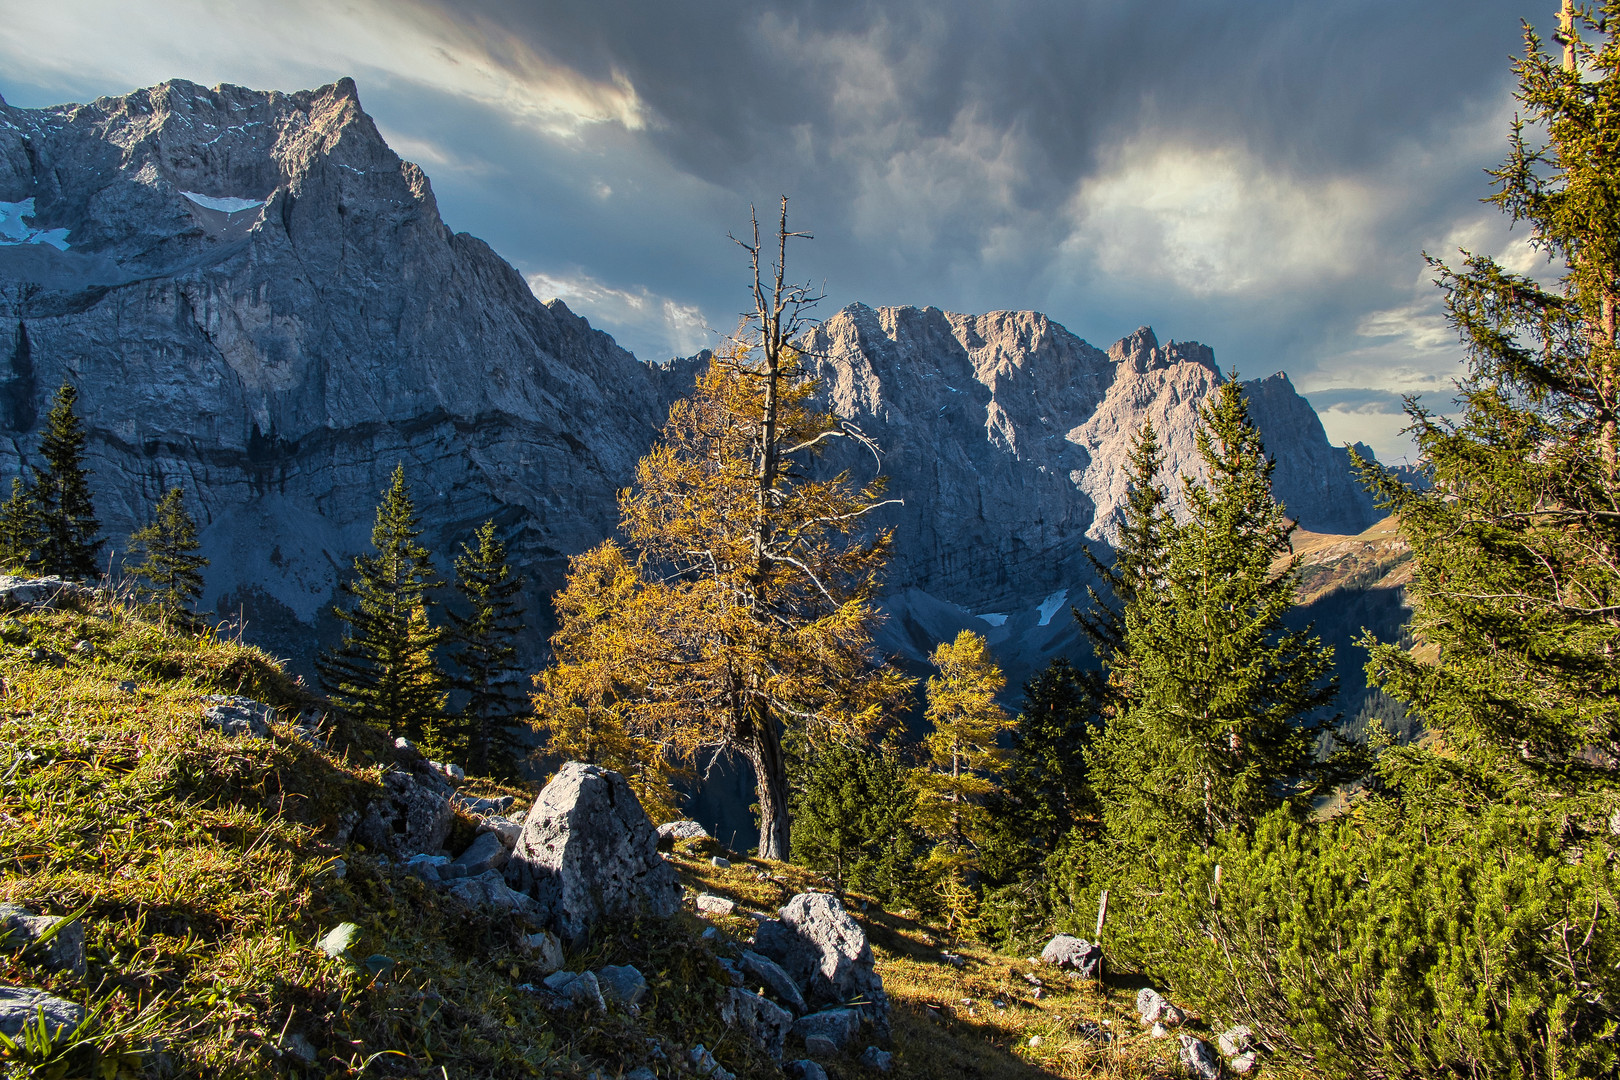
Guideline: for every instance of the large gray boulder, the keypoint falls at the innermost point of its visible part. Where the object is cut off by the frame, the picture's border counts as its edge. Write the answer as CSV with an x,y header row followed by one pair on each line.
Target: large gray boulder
x,y
769,974
1074,954
233,715
589,852
19,1005
16,592
818,942
490,891
837,1026
412,818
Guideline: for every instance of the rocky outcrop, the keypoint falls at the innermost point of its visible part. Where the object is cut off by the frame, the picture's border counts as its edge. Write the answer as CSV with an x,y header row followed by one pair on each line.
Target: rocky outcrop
x,y
819,943
588,852
413,817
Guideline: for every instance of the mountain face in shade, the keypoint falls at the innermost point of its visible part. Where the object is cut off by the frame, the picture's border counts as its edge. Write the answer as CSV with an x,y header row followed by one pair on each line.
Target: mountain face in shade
x,y
258,300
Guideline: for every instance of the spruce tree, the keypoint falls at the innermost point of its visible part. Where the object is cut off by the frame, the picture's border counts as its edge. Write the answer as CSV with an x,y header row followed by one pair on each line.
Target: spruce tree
x,y
852,816
67,517
1216,696
21,533
383,672
485,654
170,572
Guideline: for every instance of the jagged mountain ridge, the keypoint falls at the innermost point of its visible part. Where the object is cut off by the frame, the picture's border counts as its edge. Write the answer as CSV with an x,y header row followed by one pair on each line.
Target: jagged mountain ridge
x,y
256,297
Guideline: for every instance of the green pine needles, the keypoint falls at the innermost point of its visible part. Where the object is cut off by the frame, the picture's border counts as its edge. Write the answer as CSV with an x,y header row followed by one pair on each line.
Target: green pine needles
x,y
485,655
1212,726
169,574
66,517
384,672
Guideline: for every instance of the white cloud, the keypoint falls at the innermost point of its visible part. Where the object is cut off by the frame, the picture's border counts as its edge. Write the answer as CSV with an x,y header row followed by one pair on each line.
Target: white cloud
x,y
315,40
1216,221
653,327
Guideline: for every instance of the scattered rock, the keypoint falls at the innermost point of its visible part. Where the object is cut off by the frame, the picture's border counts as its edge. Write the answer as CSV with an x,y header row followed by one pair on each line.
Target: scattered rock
x,y
719,862
498,805
21,928
1159,1031
19,1006
453,773
1199,1058
1036,1040
547,950
1074,954
234,716
952,958
297,1047
490,890
641,1072
588,851
1235,1040
580,987
1093,1033
1154,1009
338,868
804,1069
39,592
413,817
703,1064
877,1060
47,657
732,969
683,830
780,984
485,853
505,829
821,945
1244,1063
128,686
710,904
430,868
818,1046
838,1027
402,743
623,984
85,648
712,934
760,1018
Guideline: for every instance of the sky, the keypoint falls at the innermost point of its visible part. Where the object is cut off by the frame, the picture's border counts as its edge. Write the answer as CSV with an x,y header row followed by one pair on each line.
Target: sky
x,y
1262,176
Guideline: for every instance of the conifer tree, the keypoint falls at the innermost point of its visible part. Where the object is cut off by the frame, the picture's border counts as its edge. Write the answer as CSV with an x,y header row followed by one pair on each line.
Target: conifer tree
x,y
485,654
170,572
964,769
1217,697
67,517
383,672
852,813
1516,546
21,533
752,582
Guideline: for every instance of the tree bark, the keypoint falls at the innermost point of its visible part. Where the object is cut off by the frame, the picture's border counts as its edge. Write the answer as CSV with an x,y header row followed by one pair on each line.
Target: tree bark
x,y
764,751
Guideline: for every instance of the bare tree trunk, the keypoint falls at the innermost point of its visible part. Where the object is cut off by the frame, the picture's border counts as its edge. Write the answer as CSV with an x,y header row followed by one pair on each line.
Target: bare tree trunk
x,y
764,752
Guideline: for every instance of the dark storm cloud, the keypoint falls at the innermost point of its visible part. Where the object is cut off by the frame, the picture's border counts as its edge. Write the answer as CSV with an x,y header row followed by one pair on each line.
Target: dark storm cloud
x,y
1260,175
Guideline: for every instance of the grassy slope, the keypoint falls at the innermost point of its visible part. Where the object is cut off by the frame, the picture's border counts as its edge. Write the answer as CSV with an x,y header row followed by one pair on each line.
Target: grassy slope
x,y
205,866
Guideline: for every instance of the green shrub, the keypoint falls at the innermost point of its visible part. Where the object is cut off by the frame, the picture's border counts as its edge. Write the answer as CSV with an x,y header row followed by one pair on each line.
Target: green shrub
x,y
1383,949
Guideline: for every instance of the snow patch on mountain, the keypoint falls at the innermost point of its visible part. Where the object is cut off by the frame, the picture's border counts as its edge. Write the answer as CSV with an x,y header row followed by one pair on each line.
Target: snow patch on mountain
x,y
13,231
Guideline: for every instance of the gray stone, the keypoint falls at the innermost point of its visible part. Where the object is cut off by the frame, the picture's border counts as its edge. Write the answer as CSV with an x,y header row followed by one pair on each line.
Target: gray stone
x,y
1199,1058
413,817
778,982
474,805
703,1064
1234,1041
589,852
824,949
21,1006
805,1069
819,1046
709,904
85,648
641,1072
837,1027
682,830
48,657
485,853
20,592
505,829
623,984
759,1018
720,862
297,1047
233,715
1074,954
584,989
21,929
427,867
489,890
877,1060
546,950
1154,1009
732,969
1244,1063
559,979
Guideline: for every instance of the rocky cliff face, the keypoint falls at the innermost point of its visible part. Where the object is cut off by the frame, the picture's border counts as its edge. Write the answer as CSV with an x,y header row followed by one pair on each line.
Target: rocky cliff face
x,y
257,299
